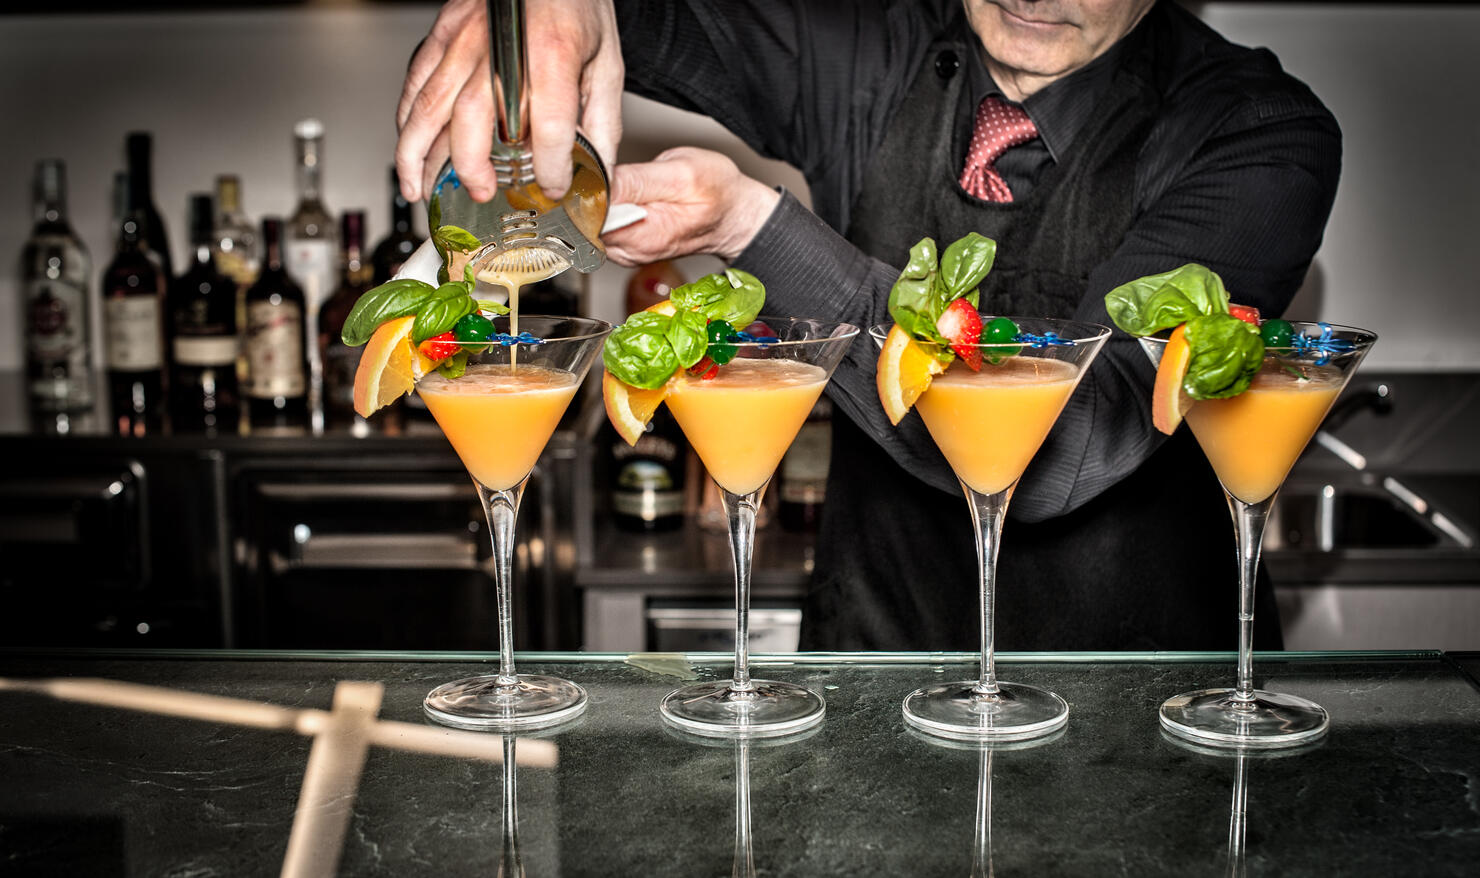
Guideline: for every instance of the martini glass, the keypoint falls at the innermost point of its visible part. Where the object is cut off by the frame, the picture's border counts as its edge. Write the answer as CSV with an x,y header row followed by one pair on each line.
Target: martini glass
x,y
989,424
1252,440
740,423
498,417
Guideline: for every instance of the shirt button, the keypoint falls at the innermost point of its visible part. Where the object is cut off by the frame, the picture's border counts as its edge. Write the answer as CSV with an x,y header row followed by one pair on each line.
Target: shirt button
x,y
946,64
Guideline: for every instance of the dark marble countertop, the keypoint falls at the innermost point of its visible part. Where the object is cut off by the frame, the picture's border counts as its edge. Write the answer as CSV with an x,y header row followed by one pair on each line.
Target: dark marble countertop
x,y
1394,789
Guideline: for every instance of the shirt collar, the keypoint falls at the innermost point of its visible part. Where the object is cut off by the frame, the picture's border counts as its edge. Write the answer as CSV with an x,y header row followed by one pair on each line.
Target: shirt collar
x,y
1060,109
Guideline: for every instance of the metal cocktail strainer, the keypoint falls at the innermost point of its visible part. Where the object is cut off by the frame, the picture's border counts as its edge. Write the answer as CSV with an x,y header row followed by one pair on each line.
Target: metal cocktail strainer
x,y
525,235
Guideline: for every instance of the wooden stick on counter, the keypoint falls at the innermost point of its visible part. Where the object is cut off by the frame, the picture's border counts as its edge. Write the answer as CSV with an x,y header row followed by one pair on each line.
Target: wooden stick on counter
x,y
215,708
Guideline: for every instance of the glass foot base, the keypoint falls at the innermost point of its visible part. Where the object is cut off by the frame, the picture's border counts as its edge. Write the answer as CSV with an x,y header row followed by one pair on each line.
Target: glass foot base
x,y
480,703
767,710
958,712
1213,717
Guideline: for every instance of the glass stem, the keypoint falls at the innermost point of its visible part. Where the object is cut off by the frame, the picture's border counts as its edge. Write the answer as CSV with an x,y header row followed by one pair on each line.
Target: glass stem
x,y
510,865
740,511
501,509
1248,526
987,513
744,857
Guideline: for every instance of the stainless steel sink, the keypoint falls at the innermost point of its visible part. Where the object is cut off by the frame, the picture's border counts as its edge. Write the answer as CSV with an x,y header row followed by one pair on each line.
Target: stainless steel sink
x,y
1363,511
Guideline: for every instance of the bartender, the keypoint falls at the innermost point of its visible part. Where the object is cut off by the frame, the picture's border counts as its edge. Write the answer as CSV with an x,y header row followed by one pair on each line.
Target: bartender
x,y
1097,141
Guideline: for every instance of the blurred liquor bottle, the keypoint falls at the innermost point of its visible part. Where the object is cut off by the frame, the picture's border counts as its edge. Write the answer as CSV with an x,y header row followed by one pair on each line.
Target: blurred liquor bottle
x,y
649,479
310,249
133,322
235,250
202,307
339,359
54,275
394,249
276,391
804,469
234,242
140,148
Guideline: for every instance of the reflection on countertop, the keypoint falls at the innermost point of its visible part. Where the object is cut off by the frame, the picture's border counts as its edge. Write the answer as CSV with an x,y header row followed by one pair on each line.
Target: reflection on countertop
x,y
91,790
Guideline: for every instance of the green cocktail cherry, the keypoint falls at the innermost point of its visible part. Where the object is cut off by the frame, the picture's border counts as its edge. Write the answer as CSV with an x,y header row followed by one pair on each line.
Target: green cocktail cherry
x,y
1276,333
719,332
473,327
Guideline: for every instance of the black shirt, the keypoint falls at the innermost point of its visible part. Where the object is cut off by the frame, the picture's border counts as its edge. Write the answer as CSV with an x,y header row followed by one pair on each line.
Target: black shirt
x,y
1238,173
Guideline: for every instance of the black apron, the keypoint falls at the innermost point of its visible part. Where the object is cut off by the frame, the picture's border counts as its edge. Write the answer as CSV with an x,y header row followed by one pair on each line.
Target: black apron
x,y
1150,563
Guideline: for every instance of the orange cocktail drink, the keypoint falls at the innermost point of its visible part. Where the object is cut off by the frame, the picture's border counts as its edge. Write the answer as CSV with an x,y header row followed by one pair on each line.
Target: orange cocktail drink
x,y
989,424
1253,439
742,421
498,417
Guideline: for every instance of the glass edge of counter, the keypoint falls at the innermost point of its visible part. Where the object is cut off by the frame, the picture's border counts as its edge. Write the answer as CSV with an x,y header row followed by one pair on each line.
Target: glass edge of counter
x,y
716,658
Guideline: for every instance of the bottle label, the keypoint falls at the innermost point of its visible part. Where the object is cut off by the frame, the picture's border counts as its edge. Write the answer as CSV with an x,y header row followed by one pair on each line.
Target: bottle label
x,y
55,332
133,333
205,350
274,350
237,265
313,265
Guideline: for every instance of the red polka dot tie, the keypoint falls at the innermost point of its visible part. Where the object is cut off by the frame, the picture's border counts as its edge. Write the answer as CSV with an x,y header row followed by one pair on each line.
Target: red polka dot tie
x,y
999,126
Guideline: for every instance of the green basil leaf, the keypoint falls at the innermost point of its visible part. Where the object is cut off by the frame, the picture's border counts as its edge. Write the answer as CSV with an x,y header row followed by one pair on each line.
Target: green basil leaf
x,y
733,296
455,365
492,307
686,334
1162,301
434,212
454,238
1226,354
390,300
917,299
965,263
449,304
638,352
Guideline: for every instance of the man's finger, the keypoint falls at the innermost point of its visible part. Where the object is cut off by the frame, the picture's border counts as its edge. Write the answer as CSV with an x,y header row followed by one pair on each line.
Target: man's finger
x,y
472,139
554,105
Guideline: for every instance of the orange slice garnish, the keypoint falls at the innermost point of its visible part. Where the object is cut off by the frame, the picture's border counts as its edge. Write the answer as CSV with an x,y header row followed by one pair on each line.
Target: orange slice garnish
x,y
905,371
1169,402
629,408
390,366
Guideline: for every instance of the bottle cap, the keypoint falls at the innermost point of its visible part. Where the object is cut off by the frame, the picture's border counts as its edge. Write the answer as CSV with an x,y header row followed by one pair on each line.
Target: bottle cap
x,y
308,129
202,218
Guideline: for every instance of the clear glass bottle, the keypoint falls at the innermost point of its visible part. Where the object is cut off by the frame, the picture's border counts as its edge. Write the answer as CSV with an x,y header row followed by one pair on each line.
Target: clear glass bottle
x,y
276,390
55,268
234,243
394,249
140,147
133,324
204,393
310,249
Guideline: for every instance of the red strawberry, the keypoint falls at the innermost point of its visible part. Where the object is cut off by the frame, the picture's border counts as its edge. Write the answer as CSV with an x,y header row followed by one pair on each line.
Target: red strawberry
x,y
1246,313
440,347
706,369
962,327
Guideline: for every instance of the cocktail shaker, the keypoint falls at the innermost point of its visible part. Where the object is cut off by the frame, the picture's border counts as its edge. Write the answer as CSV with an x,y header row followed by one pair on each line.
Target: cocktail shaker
x,y
524,236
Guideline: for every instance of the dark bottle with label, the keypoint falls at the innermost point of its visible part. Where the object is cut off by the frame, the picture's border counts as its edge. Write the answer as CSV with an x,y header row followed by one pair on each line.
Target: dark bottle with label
x,y
133,324
340,361
394,249
804,469
140,146
204,392
649,478
54,276
276,392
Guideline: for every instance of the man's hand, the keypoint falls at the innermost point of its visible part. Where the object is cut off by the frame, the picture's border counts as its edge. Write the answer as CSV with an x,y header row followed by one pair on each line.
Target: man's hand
x,y
697,201
446,107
